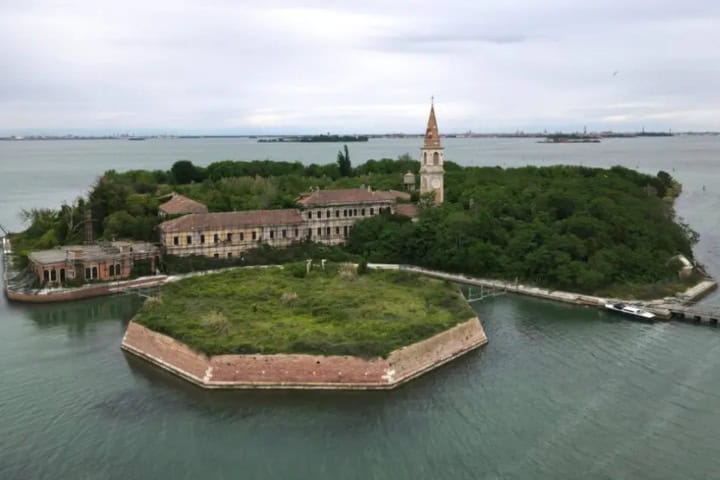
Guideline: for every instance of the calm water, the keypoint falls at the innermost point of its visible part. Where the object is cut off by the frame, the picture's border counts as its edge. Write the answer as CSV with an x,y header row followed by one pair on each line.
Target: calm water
x,y
559,392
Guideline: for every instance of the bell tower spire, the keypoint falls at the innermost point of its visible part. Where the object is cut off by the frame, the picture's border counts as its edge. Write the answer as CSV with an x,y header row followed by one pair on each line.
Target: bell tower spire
x,y
432,159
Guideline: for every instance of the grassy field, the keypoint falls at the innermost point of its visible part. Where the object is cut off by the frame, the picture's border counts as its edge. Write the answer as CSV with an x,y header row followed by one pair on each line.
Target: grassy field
x,y
335,312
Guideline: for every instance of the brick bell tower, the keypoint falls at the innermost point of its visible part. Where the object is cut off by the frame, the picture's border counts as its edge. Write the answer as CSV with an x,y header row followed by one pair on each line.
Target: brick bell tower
x,y
431,159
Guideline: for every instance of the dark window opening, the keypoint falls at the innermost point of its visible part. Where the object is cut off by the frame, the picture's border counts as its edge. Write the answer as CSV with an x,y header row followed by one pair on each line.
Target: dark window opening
x,y
284,233
118,269
217,255
337,213
112,270
94,272
202,238
242,236
319,232
337,230
62,274
229,237
272,234
216,238
46,275
296,233
188,239
53,275
254,235
229,254
176,240
327,231
372,211
88,274
362,212
310,215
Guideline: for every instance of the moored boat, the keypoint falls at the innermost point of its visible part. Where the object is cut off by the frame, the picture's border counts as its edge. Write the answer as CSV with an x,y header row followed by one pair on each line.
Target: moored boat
x,y
631,310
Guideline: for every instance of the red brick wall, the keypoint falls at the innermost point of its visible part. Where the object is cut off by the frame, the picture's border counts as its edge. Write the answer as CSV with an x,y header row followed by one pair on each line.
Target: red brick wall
x,y
303,371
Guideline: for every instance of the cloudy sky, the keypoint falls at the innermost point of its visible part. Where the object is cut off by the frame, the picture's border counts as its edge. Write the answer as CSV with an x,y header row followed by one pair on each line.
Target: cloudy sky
x,y
358,66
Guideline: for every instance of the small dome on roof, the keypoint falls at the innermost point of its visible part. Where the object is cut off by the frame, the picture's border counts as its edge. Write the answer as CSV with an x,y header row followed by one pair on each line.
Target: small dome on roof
x,y
409,178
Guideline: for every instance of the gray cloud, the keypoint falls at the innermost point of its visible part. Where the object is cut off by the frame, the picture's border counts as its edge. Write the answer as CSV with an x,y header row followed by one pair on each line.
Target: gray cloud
x,y
371,66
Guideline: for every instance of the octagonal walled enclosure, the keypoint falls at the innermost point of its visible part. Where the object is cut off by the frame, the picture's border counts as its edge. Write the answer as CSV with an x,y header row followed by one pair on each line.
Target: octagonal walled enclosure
x,y
302,371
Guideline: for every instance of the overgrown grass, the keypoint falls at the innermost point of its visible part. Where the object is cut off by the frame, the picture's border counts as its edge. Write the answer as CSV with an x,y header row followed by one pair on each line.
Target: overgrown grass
x,y
271,310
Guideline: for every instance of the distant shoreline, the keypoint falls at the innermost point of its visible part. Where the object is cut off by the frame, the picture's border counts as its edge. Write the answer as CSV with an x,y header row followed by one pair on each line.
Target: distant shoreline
x,y
344,138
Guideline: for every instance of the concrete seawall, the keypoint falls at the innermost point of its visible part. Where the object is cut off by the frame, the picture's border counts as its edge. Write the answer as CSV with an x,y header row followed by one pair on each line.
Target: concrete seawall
x,y
300,371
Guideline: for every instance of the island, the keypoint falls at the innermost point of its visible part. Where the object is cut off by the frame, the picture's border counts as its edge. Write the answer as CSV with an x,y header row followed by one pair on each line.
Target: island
x,y
315,139
328,325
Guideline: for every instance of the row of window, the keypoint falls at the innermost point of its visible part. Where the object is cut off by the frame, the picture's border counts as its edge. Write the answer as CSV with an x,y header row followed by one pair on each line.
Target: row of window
x,y
52,275
348,212
229,237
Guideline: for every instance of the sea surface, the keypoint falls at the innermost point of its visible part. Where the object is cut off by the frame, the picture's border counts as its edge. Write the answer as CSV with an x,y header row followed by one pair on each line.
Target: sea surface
x,y
559,392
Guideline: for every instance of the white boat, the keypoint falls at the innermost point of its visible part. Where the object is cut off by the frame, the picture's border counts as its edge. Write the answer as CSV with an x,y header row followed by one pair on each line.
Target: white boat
x,y
631,310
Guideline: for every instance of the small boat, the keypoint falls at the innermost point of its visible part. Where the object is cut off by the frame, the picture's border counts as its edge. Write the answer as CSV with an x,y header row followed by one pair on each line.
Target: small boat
x,y
631,310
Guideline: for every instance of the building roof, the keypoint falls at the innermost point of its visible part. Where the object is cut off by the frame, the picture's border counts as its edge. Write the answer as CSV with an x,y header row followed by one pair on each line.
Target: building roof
x,y
432,136
345,196
223,220
88,253
179,204
406,209
397,194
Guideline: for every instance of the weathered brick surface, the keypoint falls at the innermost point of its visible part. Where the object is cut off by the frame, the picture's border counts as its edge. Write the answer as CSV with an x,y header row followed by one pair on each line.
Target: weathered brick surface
x,y
303,371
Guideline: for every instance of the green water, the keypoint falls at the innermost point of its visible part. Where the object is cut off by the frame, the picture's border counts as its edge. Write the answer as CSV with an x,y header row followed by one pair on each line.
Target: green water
x,y
558,393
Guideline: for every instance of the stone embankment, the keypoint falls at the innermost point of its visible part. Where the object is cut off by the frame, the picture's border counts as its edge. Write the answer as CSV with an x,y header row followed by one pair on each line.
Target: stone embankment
x,y
658,307
300,371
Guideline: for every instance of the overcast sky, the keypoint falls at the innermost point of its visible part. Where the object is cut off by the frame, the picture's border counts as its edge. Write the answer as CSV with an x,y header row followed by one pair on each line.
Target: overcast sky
x,y
358,66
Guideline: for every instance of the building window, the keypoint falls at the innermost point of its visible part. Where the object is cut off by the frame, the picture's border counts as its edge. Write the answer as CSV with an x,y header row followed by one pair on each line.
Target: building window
x,y
94,272
372,211
216,238
296,232
327,214
337,213
354,212
284,233
62,274
176,240
217,255
254,235
425,158
272,234
188,240
242,236
88,274
202,238
319,232
436,158
46,275
229,237
344,213
53,275
327,231
337,230
362,212
112,270
229,254
118,269
345,231
309,232
310,215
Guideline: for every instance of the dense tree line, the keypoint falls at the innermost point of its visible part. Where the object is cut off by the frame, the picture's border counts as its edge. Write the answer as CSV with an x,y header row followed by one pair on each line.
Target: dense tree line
x,y
573,228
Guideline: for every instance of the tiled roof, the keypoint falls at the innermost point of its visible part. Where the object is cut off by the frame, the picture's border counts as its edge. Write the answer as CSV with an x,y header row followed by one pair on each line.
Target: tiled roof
x,y
406,209
181,204
344,196
223,220
399,195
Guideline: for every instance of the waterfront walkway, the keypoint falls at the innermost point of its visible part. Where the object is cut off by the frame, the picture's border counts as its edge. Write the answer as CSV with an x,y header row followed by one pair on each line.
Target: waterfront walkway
x,y
675,307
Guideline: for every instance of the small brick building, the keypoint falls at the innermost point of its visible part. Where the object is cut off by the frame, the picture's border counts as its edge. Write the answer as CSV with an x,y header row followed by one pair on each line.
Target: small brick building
x,y
86,263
